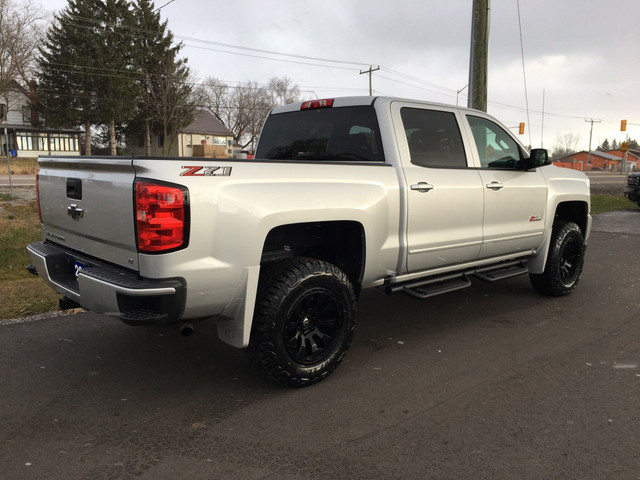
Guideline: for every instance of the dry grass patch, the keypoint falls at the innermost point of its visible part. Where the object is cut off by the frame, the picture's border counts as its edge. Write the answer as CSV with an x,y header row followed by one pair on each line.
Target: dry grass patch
x,y
20,166
20,293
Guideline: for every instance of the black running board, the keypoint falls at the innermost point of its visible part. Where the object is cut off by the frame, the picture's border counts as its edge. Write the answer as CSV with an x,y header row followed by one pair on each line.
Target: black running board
x,y
432,286
500,272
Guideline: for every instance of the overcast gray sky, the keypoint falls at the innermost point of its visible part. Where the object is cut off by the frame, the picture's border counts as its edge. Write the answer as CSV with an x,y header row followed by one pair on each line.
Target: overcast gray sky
x,y
582,53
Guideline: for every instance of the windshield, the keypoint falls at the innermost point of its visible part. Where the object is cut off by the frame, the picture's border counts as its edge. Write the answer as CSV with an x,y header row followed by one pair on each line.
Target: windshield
x,y
345,133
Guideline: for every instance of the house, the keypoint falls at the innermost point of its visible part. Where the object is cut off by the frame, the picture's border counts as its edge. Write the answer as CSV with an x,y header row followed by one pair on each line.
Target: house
x,y
584,161
21,135
632,160
206,136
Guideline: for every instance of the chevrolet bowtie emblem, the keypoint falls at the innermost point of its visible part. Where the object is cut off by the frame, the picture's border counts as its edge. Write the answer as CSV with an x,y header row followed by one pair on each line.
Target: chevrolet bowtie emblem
x,y
75,212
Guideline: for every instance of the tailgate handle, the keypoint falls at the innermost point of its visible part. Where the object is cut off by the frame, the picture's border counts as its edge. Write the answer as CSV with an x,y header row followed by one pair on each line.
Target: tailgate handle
x,y
74,188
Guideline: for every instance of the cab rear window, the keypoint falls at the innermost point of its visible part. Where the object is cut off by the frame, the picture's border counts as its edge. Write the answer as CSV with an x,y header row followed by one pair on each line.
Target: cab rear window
x,y
342,134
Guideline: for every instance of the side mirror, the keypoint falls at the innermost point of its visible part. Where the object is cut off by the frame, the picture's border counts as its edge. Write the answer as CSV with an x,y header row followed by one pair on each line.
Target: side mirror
x,y
538,157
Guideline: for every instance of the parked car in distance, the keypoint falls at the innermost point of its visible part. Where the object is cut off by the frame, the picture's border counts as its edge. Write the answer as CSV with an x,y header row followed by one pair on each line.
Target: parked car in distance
x,y
632,189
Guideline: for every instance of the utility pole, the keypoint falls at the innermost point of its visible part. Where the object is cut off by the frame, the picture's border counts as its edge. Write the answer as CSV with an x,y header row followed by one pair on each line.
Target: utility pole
x,y
479,55
592,121
370,71
6,142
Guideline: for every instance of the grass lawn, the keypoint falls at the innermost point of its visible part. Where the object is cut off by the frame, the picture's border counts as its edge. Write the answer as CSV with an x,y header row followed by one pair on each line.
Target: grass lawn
x,y
610,203
20,166
21,293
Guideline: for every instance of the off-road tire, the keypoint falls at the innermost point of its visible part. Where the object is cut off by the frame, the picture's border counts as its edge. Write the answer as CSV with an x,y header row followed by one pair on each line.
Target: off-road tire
x,y
303,322
564,261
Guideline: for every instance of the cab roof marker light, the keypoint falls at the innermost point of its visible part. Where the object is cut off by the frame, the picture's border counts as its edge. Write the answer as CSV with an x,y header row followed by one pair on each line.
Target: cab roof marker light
x,y
311,104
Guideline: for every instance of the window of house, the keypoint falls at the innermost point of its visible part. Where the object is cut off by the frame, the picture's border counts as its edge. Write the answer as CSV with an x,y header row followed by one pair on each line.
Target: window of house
x,y
3,111
434,138
219,141
160,141
26,114
189,140
57,142
496,148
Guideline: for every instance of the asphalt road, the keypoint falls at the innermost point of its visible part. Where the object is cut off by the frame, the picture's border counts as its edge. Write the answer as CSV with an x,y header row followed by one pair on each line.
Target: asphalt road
x,y
493,382
18,180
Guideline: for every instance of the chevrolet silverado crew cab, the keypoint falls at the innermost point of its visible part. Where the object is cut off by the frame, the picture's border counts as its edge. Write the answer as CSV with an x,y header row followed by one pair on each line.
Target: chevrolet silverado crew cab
x,y
343,194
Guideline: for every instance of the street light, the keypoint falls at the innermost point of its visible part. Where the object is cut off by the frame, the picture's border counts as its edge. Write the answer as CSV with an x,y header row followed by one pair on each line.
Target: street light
x,y
458,93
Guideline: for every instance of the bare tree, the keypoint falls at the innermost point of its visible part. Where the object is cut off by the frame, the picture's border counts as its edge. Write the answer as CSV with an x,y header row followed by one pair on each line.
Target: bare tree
x,y
172,103
19,36
566,145
282,91
243,108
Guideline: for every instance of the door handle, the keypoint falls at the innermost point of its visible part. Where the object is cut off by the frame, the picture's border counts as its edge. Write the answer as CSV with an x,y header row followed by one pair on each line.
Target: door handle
x,y
422,187
495,186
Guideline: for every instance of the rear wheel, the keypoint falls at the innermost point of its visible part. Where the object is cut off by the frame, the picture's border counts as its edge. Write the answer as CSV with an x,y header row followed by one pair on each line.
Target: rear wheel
x,y
564,261
304,321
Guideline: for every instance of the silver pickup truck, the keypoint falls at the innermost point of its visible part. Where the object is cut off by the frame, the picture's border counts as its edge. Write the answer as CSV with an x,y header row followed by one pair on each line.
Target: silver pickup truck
x,y
344,194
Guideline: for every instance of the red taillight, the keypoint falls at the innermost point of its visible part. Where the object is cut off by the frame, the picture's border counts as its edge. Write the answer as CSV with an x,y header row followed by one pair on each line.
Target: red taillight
x,y
325,103
160,217
38,196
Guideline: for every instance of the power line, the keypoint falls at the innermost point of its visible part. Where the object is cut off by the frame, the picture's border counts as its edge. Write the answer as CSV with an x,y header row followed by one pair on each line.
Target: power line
x,y
435,88
524,73
160,8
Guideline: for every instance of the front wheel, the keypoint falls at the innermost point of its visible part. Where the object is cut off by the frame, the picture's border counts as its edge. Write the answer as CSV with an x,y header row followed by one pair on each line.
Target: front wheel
x,y
564,261
304,321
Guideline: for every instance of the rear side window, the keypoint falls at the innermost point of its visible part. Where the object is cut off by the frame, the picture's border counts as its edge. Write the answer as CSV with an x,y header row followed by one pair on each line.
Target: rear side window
x,y
434,138
344,133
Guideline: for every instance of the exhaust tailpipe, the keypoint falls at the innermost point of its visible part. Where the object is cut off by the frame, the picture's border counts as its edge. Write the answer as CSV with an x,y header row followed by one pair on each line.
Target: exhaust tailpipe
x,y
186,329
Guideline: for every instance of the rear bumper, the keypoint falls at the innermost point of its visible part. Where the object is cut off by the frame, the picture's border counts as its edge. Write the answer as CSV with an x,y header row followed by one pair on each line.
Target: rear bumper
x,y
107,289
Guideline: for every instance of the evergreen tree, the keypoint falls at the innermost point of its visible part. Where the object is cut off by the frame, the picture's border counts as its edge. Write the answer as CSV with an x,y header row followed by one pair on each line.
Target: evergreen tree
x,y
118,85
614,145
165,105
605,146
87,70
66,87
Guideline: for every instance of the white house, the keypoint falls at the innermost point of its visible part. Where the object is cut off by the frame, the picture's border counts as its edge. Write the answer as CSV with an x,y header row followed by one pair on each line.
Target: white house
x,y
20,134
205,136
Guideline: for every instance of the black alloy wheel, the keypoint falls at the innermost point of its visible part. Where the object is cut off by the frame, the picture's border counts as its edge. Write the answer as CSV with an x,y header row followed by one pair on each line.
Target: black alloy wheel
x,y
313,326
303,321
564,261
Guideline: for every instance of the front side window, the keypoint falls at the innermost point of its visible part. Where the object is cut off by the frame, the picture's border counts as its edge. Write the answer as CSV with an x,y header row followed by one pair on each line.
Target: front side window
x,y
495,146
343,133
434,138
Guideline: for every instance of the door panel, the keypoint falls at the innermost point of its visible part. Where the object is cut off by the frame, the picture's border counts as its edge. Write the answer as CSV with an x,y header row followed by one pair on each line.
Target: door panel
x,y
444,223
514,214
514,199
444,196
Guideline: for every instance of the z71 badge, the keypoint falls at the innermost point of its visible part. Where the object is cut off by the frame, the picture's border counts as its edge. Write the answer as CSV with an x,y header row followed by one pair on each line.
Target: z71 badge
x,y
205,171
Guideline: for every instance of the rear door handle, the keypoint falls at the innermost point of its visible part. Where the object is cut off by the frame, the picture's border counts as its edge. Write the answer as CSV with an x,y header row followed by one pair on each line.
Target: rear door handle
x,y
422,187
495,186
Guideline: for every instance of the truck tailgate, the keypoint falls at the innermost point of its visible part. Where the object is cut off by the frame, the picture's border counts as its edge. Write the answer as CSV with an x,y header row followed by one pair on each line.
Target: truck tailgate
x,y
87,205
